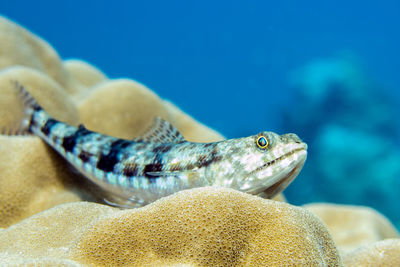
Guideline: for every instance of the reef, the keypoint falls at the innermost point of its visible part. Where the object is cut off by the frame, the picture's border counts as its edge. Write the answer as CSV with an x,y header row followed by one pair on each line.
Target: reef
x,y
350,124
49,216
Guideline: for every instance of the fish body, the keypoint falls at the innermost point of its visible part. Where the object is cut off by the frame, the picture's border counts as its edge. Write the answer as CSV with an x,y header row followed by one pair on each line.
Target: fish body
x,y
161,162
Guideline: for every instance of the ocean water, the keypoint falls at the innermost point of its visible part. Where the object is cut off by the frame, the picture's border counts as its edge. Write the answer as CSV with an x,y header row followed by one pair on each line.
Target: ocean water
x,y
326,70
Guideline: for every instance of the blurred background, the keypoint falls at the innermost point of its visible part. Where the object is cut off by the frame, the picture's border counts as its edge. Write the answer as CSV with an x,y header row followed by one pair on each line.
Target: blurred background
x,y
325,70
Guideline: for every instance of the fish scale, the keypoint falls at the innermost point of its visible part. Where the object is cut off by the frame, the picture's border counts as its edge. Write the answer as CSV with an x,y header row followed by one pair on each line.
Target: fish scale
x,y
161,162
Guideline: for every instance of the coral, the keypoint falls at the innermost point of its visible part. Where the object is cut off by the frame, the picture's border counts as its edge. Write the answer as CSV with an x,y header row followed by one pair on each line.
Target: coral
x,y
353,226
109,109
351,127
209,227
83,73
25,188
199,227
47,236
20,47
370,171
48,93
382,253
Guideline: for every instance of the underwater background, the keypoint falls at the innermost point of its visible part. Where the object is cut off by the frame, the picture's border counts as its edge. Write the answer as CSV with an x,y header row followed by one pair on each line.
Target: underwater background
x,y
326,70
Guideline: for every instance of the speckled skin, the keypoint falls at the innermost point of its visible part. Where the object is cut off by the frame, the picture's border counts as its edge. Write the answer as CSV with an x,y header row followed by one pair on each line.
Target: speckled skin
x,y
137,172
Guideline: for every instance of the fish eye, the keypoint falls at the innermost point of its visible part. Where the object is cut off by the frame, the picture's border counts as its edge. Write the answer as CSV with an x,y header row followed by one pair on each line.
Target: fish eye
x,y
262,142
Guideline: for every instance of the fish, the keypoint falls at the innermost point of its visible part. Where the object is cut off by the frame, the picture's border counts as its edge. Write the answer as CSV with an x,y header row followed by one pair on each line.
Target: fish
x,y
136,172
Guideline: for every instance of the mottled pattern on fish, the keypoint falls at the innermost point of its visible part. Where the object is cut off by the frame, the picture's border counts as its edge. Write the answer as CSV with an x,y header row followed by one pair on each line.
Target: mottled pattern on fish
x,y
161,162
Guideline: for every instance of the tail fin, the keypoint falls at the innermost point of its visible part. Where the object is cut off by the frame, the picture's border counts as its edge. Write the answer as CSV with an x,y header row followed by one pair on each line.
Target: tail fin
x,y
30,105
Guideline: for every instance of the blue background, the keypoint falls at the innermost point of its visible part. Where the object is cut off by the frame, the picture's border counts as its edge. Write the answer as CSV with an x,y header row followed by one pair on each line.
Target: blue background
x,y
227,63
224,62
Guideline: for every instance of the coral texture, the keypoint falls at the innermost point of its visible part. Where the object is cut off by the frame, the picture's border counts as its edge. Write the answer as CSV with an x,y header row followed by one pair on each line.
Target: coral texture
x,y
200,227
382,253
205,226
353,226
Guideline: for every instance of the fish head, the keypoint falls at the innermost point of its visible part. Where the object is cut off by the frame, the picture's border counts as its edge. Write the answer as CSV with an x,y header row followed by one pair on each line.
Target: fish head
x,y
264,163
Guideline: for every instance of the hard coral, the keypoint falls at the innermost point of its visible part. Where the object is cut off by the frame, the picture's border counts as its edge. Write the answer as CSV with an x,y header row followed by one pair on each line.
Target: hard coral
x,y
199,227
209,227
382,253
25,188
353,226
20,47
45,239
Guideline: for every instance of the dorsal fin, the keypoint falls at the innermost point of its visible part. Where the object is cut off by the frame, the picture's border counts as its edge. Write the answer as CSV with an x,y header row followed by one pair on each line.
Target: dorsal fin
x,y
161,131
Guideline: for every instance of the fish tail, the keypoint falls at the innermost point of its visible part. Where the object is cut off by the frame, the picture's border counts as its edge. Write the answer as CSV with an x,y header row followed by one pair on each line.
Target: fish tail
x,y
30,106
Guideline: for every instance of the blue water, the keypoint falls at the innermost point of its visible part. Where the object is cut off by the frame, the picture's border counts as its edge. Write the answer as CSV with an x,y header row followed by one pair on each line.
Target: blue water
x,y
231,65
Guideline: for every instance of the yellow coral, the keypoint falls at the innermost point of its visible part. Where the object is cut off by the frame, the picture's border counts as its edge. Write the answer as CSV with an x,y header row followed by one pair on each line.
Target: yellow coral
x,y
382,253
199,227
121,108
48,93
209,227
353,226
84,73
47,236
20,47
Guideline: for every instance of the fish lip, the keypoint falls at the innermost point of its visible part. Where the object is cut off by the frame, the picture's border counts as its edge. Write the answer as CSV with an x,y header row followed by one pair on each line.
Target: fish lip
x,y
267,164
283,182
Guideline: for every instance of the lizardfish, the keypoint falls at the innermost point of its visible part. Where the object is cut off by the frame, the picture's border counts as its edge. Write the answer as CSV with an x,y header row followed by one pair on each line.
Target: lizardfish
x,y
161,162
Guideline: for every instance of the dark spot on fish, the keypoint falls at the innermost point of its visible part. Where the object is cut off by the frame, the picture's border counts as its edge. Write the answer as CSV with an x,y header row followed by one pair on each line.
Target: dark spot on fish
x,y
84,156
153,167
108,161
189,166
175,167
208,145
162,148
206,160
36,107
120,144
32,123
46,128
202,160
130,170
69,142
149,169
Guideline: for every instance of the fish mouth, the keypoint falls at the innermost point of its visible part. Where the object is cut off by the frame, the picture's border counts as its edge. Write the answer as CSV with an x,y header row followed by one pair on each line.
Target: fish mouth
x,y
282,180
278,187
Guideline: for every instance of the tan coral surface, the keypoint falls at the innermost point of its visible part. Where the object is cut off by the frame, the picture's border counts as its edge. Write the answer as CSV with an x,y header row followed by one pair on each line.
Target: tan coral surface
x,y
205,226
382,253
353,226
200,227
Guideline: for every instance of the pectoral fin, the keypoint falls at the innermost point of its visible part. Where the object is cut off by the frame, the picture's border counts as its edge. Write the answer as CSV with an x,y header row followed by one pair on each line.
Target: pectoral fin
x,y
161,131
